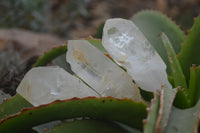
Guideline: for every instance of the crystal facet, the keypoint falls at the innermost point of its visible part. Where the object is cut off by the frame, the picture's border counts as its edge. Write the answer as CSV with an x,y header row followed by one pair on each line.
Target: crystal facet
x,y
43,85
129,48
99,71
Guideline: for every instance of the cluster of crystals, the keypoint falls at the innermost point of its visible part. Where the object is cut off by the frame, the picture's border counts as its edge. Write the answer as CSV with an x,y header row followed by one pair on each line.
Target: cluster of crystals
x,y
102,74
129,48
126,45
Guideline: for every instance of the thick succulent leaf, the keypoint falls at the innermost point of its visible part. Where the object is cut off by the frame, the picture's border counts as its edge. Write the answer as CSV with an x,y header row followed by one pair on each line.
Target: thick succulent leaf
x,y
50,55
99,108
190,50
90,126
159,112
184,121
162,114
194,88
13,106
151,23
177,73
182,100
166,102
171,80
150,122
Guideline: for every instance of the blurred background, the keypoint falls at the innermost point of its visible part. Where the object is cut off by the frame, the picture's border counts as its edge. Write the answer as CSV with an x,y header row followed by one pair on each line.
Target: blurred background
x,y
30,27
80,18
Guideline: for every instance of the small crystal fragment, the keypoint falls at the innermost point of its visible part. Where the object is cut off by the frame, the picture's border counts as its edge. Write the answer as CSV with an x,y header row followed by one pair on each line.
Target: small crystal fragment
x,y
129,48
100,72
43,85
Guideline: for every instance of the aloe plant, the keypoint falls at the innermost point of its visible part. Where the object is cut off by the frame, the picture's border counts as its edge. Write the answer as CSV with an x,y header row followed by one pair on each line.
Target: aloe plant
x,y
115,104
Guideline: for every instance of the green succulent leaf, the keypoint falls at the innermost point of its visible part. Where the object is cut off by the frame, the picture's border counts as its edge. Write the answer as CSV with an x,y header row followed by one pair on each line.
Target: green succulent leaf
x,y
159,112
164,118
151,23
13,106
166,102
190,54
194,88
171,80
91,126
184,121
150,122
182,101
111,109
176,71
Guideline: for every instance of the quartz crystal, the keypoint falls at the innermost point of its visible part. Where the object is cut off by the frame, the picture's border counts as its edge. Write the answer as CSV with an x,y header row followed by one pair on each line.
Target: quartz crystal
x,y
129,48
43,85
101,73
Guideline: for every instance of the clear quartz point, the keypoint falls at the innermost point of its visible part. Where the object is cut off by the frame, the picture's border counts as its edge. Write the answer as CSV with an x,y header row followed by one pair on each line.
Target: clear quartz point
x,y
129,48
43,85
99,71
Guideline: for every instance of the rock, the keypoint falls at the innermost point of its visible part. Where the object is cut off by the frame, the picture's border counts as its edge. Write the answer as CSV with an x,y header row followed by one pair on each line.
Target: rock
x,y
43,85
99,71
27,43
129,48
